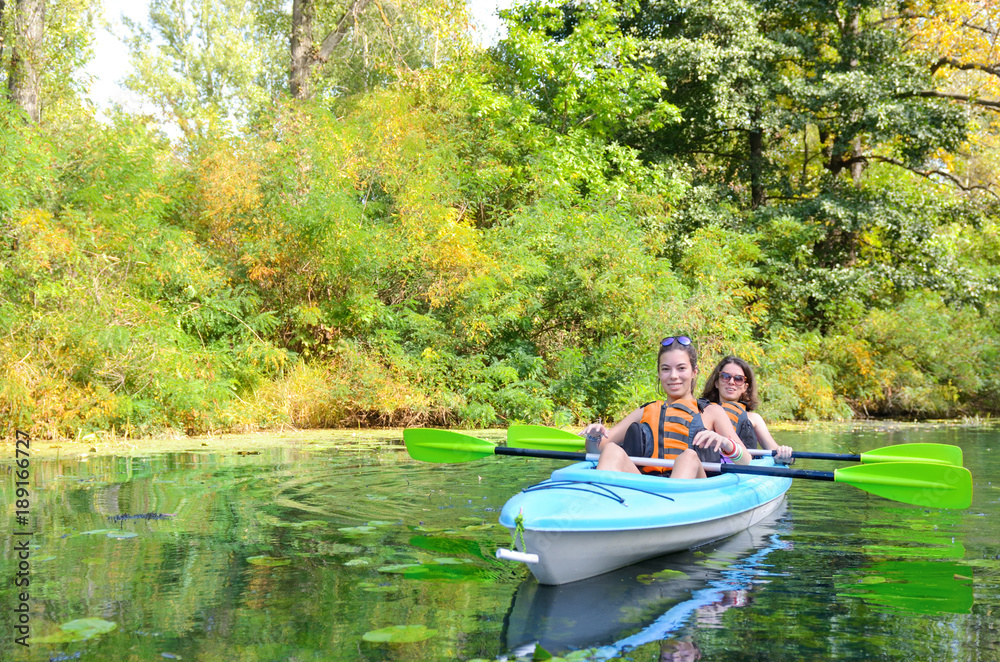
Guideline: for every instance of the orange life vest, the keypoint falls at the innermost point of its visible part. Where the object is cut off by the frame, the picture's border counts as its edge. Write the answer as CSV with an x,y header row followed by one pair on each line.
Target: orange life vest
x,y
673,426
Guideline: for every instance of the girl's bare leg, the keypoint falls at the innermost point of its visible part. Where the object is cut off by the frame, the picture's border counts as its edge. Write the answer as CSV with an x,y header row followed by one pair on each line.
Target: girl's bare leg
x,y
614,458
688,465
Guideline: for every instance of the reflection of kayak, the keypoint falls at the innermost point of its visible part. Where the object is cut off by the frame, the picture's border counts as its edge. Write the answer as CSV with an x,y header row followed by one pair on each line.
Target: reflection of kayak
x,y
599,610
583,522
741,576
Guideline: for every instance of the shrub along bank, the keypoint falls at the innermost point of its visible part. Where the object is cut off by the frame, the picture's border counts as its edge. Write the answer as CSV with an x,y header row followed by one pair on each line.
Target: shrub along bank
x,y
432,253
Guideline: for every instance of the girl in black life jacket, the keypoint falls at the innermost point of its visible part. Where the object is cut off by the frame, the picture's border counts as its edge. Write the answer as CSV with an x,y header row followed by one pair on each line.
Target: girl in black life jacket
x,y
733,385
672,428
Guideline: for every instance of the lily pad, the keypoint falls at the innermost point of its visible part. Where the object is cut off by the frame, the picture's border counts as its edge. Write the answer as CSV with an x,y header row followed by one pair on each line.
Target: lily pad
x,y
95,531
312,523
401,567
79,630
122,535
94,560
307,524
361,560
873,579
400,634
357,529
540,654
340,548
480,527
268,561
661,575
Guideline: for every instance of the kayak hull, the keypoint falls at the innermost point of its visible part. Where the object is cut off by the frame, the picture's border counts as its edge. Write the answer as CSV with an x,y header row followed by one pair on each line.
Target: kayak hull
x,y
597,611
583,522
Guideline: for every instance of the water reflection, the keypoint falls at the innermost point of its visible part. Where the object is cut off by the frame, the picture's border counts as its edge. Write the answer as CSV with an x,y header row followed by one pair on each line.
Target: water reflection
x,y
650,600
924,587
298,552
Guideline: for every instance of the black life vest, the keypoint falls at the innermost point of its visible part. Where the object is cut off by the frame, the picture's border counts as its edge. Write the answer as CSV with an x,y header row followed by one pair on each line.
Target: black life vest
x,y
741,423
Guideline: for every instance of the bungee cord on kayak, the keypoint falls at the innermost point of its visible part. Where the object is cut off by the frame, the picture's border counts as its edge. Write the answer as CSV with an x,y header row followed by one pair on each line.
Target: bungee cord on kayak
x,y
601,489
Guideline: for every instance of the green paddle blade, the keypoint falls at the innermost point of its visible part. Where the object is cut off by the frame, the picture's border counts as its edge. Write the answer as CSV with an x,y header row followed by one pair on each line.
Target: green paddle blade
x,y
919,483
940,453
539,437
429,445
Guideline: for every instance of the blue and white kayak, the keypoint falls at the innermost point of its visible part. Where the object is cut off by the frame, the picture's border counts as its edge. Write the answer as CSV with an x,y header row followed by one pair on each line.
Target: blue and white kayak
x,y
582,522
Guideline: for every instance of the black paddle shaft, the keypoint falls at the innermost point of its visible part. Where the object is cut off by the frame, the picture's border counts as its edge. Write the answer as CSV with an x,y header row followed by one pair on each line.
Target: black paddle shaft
x,y
781,472
530,452
822,456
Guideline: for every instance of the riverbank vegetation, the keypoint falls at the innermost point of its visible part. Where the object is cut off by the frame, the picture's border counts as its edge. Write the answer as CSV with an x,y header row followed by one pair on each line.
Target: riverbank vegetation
x,y
409,229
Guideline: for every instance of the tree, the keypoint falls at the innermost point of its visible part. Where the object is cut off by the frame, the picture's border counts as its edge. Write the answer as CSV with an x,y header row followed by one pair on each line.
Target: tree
x,y
206,62
24,72
305,55
579,70
203,62
957,41
722,70
365,42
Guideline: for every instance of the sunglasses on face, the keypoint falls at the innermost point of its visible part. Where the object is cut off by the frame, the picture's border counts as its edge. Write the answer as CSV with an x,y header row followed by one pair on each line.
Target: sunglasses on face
x,y
736,379
681,340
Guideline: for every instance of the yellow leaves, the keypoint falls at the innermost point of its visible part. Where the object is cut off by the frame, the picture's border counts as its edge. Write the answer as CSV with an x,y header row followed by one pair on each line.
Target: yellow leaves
x,y
228,181
262,274
43,241
961,33
398,152
959,28
354,387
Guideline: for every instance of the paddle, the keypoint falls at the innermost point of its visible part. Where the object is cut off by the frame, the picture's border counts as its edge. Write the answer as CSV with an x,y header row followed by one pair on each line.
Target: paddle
x,y
541,437
933,453
545,438
919,483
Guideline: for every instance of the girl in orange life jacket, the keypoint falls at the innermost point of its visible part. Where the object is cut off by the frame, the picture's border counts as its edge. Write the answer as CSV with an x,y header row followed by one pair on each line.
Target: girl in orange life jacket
x,y
733,385
699,434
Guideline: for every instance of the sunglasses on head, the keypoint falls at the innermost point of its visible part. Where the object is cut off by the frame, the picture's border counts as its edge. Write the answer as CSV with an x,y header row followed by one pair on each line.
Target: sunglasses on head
x,y
736,379
681,340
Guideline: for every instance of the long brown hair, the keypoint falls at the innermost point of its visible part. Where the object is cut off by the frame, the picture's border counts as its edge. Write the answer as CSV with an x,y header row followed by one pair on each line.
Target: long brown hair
x,y
750,399
689,349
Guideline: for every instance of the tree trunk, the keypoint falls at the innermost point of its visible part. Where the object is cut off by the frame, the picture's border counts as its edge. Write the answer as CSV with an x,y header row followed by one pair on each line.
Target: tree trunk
x,y
857,164
301,42
304,53
24,76
756,140
3,28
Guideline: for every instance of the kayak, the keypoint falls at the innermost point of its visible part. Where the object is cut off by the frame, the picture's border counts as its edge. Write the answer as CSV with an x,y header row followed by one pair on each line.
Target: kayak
x,y
598,611
583,522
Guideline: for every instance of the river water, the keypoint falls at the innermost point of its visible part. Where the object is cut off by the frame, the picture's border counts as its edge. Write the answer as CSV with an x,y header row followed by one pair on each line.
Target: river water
x,y
297,551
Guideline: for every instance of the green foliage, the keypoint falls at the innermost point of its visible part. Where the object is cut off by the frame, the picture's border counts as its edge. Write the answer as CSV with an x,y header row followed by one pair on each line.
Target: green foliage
x,y
202,63
579,69
922,358
504,237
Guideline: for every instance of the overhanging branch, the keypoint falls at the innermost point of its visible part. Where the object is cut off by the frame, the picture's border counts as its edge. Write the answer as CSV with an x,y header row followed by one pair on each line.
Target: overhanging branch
x,y
930,174
332,40
955,63
985,103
